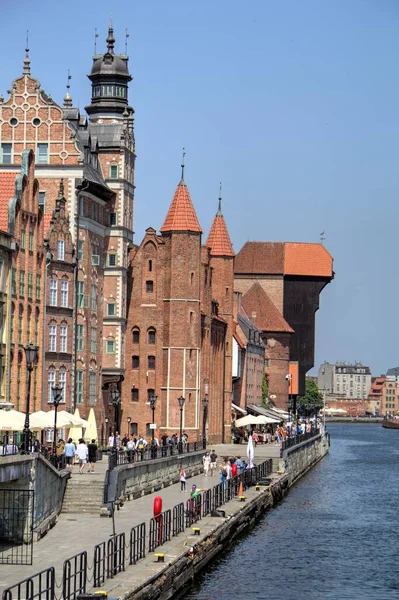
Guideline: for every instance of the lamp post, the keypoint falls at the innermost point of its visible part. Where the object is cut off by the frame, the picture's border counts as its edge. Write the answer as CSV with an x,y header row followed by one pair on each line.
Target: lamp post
x,y
31,353
205,408
115,402
129,420
153,400
57,397
181,405
106,428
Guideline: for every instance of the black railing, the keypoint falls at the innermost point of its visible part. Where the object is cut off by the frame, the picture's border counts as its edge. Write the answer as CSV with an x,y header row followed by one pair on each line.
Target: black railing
x,y
298,439
74,576
16,526
125,457
110,557
40,586
160,528
137,543
178,519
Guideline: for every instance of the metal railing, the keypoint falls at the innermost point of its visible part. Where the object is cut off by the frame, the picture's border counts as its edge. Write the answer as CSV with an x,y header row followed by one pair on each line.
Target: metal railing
x,y
298,439
126,457
111,558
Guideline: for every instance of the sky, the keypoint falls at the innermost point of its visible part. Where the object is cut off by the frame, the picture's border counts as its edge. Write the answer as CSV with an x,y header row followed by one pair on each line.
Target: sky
x,y
292,105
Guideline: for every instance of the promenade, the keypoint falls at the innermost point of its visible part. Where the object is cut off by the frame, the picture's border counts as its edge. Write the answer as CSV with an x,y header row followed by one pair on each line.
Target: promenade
x,y
75,533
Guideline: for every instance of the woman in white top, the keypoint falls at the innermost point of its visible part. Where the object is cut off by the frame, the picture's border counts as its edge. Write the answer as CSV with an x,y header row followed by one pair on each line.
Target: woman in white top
x,y
83,452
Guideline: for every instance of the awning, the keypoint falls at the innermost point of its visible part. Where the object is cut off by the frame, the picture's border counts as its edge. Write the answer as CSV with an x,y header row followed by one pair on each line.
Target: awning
x,y
235,408
266,412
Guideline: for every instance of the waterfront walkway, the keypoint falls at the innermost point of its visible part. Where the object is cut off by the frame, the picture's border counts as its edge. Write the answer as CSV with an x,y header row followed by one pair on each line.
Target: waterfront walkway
x,y
75,533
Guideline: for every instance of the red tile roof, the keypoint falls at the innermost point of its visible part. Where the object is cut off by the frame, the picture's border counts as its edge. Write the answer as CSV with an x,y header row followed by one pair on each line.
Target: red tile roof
x,y
218,239
181,214
284,258
46,222
307,260
7,191
262,312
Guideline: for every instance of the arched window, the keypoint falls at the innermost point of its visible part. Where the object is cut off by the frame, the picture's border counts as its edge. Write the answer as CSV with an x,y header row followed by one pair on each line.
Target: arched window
x,y
151,336
136,335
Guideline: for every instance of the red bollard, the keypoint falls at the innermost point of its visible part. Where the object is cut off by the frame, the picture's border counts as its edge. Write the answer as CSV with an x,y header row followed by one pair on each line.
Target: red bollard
x,y
158,517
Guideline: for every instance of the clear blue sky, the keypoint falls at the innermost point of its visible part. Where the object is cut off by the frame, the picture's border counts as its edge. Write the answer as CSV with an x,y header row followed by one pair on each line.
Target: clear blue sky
x,y
293,105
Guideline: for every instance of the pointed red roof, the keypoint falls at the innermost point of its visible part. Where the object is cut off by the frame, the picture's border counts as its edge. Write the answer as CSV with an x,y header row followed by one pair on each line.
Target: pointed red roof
x,y
262,312
7,191
181,214
218,239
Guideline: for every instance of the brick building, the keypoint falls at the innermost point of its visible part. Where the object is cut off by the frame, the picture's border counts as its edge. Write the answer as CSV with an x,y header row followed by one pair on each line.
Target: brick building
x,y
95,158
5,311
180,310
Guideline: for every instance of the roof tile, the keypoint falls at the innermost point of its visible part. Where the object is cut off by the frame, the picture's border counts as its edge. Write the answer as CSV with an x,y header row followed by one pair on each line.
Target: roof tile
x,y
262,312
219,239
311,260
260,258
7,191
181,214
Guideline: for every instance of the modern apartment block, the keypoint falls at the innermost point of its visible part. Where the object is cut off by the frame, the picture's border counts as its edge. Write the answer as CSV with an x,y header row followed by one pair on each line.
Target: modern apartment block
x,y
352,381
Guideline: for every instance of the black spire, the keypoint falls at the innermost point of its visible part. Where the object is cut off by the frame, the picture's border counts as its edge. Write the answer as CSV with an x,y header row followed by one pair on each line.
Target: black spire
x,y
26,69
219,212
182,166
110,40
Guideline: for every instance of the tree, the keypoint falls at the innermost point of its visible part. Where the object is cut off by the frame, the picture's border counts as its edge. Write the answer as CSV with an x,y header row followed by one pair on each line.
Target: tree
x,y
265,391
313,399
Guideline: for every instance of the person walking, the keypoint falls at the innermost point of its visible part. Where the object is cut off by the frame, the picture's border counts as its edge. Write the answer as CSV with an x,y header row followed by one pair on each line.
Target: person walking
x,y
206,460
70,452
223,473
59,451
83,453
92,450
213,457
183,479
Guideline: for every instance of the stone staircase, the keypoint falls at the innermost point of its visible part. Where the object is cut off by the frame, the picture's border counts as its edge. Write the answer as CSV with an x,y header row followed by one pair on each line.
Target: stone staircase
x,y
83,495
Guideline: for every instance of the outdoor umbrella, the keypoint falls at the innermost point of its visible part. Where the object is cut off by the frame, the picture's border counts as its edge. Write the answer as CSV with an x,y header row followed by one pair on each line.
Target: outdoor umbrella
x,y
11,420
248,420
250,452
91,430
262,420
75,431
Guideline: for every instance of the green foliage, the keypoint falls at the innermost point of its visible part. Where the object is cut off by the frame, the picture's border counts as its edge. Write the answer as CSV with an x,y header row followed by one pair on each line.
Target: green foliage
x,y
313,399
265,391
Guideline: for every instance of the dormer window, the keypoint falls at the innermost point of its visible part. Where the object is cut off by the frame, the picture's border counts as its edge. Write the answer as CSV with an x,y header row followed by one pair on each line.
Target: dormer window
x,y
113,172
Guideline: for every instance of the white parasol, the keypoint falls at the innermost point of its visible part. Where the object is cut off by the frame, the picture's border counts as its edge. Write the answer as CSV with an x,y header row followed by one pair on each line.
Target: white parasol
x,y
250,452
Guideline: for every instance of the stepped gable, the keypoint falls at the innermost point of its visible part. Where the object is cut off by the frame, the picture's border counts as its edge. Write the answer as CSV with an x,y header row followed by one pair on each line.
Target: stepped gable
x,y
260,257
181,214
218,239
262,312
7,191
307,260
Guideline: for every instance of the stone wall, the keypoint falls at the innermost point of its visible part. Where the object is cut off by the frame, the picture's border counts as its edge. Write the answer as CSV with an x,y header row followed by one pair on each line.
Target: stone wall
x,y
298,460
137,479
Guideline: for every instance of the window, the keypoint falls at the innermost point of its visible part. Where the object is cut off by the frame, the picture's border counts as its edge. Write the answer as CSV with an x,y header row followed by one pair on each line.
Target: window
x,y
50,384
113,172
92,387
134,428
22,239
53,292
63,338
61,249
151,362
150,394
151,336
6,154
110,347
150,265
94,298
30,285
79,387
80,250
112,260
112,219
135,362
22,283
81,294
136,336
53,338
31,241
148,430
149,286
42,154
62,382
93,340
135,395
64,293
42,199
79,338
13,282
111,309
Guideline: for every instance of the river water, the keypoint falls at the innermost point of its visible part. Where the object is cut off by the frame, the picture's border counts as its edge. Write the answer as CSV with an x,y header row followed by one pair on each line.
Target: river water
x,y
335,536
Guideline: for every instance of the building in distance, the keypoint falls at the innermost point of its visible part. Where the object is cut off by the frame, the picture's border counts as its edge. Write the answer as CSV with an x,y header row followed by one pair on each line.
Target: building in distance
x,y
350,380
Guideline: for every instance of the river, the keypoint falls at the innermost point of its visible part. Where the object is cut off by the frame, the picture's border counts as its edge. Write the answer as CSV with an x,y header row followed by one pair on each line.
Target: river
x,y
335,536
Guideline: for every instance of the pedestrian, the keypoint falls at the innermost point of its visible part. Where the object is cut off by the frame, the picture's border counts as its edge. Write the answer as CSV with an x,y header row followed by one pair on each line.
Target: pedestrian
x,y
141,446
227,464
70,452
223,473
240,465
131,446
92,449
213,456
82,453
183,479
206,460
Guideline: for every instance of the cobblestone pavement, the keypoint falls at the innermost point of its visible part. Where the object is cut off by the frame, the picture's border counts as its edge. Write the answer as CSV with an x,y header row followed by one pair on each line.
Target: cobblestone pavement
x,y
78,532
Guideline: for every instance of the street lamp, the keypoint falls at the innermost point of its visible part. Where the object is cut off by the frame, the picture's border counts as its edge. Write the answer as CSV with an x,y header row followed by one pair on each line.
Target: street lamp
x,y
205,407
153,400
57,397
181,405
129,419
106,428
31,353
115,402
